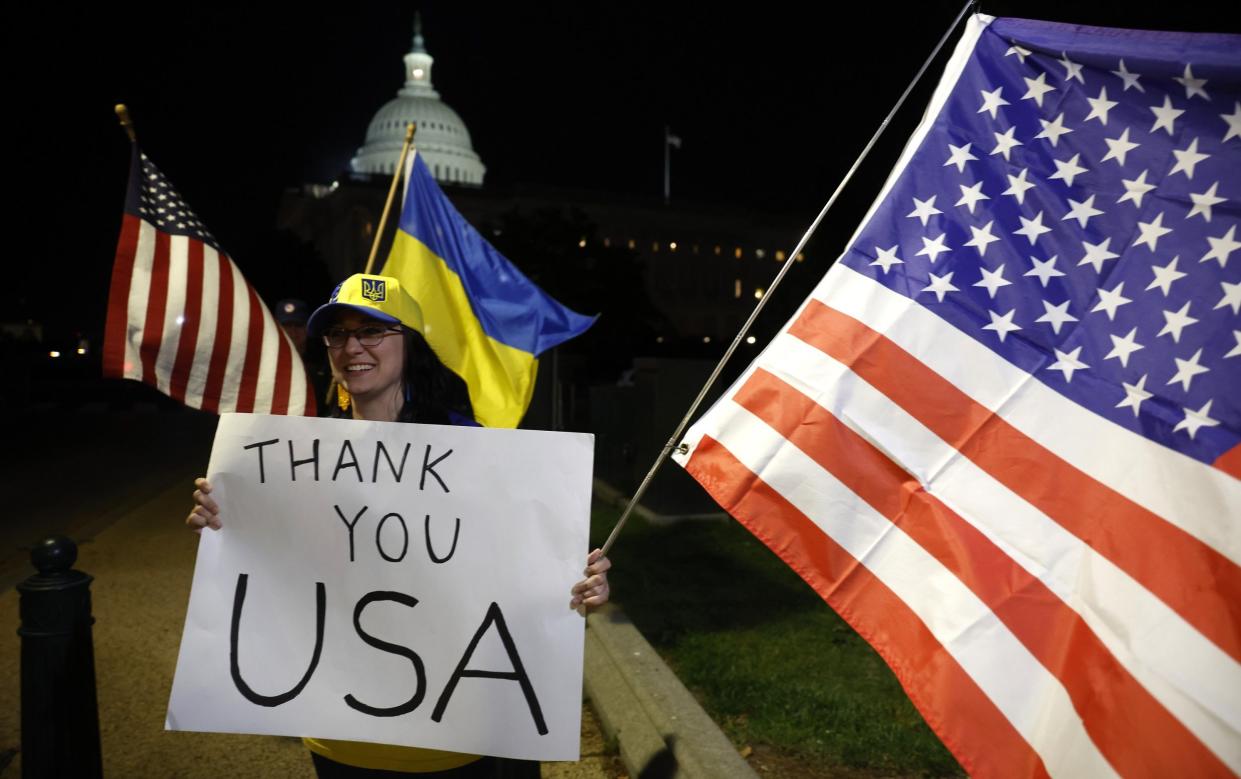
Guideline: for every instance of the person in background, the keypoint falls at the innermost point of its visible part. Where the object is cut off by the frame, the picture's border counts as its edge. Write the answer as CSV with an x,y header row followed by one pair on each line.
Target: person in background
x,y
384,370
292,315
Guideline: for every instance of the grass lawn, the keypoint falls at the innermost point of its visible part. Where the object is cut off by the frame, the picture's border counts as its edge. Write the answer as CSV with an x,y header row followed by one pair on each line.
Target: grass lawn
x,y
766,657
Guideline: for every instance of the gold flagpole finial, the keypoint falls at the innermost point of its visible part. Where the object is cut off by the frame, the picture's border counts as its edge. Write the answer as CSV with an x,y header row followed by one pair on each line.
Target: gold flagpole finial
x,y
122,113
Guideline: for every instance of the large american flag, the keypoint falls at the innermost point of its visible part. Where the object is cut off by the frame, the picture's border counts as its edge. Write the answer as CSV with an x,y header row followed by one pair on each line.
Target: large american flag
x,y
1001,436
183,319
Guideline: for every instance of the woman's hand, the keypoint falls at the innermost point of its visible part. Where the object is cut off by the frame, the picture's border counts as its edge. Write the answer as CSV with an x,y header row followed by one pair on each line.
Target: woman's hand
x,y
205,513
592,591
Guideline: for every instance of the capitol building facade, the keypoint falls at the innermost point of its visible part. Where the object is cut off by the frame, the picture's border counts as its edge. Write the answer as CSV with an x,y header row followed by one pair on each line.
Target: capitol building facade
x,y
704,266
442,138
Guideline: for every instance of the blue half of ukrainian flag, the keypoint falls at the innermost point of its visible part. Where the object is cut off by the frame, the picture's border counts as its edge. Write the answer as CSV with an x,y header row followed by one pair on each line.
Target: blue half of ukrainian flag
x,y
485,320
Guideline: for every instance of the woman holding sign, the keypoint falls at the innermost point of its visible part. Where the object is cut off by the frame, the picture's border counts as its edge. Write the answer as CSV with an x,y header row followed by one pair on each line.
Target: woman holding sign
x,y
385,371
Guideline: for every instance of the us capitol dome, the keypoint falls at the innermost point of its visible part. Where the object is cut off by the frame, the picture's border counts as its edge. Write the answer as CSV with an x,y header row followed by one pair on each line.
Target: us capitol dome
x,y
442,138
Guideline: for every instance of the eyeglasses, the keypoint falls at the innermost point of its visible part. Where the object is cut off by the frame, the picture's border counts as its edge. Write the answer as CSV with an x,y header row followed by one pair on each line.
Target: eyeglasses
x,y
367,335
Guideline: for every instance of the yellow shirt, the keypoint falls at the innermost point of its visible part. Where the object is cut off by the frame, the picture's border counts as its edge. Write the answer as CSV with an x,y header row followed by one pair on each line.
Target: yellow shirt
x,y
387,757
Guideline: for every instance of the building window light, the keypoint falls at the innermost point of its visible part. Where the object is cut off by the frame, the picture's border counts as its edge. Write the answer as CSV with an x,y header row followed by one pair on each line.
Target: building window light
x,y
801,256
758,293
718,250
659,339
738,253
706,339
672,246
53,355
607,243
750,339
633,244
81,350
581,244
655,246
780,255
737,288
759,253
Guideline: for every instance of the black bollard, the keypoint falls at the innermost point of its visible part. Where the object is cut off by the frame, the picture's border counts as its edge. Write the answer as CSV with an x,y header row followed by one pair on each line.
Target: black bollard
x,y
60,716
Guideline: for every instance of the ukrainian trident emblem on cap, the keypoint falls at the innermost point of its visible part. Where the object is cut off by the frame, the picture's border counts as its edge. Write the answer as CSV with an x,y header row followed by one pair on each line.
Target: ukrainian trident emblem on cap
x,y
374,290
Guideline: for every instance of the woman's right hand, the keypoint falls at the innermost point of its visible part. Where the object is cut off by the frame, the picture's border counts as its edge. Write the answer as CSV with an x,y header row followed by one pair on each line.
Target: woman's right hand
x,y
205,513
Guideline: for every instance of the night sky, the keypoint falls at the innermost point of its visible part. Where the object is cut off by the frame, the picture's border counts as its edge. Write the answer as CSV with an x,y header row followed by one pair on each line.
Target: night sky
x,y
237,103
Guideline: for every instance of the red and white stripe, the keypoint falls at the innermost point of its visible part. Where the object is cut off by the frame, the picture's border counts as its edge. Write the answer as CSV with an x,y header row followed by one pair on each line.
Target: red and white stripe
x,y
183,319
1057,595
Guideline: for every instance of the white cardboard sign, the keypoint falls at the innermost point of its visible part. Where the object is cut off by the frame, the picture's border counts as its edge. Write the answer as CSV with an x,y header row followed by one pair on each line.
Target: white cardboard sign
x,y
393,583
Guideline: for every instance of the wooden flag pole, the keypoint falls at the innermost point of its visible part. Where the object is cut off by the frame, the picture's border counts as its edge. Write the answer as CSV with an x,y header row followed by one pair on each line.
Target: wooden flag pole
x,y
410,129
122,113
745,328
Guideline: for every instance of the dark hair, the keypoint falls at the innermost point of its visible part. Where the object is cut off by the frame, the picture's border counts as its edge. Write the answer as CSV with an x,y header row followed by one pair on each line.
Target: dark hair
x,y
433,392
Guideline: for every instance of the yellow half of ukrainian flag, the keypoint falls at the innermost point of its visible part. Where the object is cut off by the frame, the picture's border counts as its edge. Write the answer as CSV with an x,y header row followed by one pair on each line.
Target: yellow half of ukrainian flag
x,y
485,320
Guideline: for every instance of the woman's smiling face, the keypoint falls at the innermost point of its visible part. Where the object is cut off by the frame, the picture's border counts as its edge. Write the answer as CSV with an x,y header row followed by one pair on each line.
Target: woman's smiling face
x,y
367,372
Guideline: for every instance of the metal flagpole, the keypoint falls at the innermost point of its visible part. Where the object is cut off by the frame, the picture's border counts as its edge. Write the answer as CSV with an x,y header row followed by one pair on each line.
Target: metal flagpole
x,y
667,167
396,177
715,374
670,140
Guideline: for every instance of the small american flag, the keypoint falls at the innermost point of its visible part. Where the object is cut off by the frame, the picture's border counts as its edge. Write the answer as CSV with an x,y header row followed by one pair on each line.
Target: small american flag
x,y
1001,437
183,319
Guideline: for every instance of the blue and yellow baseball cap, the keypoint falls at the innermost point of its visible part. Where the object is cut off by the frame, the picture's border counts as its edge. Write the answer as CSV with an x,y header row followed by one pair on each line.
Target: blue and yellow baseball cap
x,y
380,297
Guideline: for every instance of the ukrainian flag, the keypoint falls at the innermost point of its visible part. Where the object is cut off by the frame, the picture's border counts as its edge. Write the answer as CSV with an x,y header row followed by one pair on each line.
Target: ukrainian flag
x,y
485,320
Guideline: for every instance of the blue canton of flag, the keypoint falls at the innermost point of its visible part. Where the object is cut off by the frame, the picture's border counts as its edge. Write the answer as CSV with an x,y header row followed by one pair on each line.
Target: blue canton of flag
x,y
1000,436
1075,208
151,196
